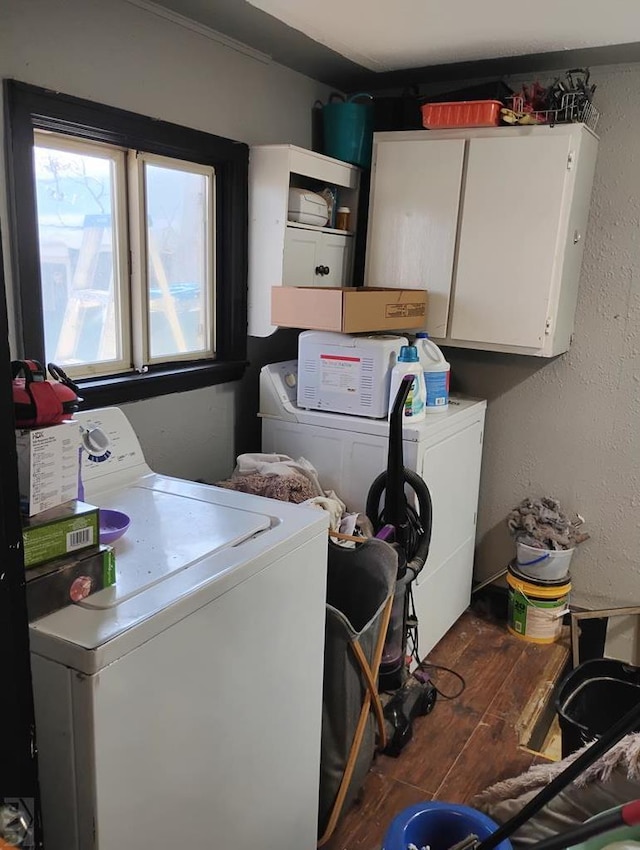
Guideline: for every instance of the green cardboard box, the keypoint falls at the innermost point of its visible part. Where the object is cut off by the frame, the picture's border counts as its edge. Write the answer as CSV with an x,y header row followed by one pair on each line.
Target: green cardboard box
x,y
64,530
67,580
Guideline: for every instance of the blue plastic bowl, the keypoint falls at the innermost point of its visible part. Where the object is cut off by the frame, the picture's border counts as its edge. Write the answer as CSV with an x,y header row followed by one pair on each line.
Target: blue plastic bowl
x,y
438,825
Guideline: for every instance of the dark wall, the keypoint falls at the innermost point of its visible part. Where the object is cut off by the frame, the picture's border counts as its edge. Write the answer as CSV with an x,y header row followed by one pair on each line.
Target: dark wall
x,y
281,345
18,768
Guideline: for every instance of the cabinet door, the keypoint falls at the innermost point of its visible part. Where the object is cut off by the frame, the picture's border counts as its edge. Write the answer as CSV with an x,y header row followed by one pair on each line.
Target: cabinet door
x,y
335,254
413,218
301,249
510,238
451,469
315,258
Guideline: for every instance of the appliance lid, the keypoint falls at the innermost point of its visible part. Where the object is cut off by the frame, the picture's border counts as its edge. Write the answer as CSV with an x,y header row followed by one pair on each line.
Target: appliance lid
x,y
168,533
187,545
276,405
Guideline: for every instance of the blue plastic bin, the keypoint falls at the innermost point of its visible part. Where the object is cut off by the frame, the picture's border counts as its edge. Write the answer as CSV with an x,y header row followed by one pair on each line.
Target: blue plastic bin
x,y
438,825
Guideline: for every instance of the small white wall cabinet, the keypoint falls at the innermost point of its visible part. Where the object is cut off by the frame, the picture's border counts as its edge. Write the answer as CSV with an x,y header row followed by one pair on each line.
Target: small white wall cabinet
x,y
284,253
316,257
491,222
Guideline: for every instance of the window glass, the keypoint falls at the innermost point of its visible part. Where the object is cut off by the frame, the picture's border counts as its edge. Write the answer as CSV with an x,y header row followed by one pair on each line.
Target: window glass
x,y
78,241
178,243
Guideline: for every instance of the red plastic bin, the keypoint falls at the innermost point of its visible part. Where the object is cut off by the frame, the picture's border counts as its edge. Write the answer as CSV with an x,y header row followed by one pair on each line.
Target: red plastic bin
x,y
464,113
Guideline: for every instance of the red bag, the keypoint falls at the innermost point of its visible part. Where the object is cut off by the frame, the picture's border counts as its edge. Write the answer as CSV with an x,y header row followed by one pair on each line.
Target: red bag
x,y
39,402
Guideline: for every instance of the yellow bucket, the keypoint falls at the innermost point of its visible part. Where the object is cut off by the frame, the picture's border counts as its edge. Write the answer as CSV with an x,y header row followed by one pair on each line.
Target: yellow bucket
x,y
536,608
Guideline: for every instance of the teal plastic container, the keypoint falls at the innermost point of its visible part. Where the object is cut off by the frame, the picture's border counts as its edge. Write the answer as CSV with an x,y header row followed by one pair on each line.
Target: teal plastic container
x,y
348,129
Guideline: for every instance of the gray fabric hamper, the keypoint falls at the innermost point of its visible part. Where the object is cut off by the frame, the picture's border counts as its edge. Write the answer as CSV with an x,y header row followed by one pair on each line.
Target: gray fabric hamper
x,y
360,587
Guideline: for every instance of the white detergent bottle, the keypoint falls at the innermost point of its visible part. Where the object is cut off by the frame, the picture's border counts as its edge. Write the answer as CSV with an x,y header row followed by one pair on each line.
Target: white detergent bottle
x,y
408,363
436,374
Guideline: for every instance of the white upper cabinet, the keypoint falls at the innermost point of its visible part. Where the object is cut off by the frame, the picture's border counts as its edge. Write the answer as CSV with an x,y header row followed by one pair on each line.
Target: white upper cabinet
x,y
413,220
284,253
491,222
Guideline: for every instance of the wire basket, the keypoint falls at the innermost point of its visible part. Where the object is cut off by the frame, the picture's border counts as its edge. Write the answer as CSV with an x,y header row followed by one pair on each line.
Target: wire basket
x,y
574,108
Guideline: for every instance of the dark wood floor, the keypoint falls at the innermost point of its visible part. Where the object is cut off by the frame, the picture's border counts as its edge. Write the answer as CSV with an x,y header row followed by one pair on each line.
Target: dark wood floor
x,y
466,744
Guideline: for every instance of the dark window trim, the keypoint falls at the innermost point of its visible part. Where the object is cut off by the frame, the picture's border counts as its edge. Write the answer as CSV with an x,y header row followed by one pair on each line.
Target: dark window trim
x,y
29,108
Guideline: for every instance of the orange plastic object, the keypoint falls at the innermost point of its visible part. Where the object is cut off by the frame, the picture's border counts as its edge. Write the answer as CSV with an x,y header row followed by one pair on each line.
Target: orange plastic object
x,y
464,113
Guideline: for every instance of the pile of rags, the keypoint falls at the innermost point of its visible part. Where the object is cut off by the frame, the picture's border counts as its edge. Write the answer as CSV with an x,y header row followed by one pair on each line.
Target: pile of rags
x,y
541,523
280,477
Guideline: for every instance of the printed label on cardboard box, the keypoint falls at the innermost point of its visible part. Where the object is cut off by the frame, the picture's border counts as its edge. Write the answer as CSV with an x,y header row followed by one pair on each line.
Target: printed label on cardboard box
x,y
404,311
47,466
52,541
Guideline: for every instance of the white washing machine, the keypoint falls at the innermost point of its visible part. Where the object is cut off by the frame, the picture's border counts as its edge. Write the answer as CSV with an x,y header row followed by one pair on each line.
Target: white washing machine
x,y
182,707
350,451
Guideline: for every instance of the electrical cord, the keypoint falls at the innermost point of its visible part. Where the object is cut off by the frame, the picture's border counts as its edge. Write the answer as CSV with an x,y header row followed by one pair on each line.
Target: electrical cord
x,y
412,635
426,665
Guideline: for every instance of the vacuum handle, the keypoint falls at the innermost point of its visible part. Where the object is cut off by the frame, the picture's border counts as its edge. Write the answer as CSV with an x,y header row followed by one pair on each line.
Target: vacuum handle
x,y
625,725
395,417
395,508
627,815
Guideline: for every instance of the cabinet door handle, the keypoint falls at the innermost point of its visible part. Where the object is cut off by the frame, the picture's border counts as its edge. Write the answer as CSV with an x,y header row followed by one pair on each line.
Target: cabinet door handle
x,y
325,270
576,237
320,270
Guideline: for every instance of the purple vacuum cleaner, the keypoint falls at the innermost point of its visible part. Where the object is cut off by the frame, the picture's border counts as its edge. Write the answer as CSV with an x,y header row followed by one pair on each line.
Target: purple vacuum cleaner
x,y
408,529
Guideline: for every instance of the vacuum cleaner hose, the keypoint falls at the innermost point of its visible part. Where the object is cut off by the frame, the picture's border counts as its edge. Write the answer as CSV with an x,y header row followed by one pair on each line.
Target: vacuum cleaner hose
x,y
419,521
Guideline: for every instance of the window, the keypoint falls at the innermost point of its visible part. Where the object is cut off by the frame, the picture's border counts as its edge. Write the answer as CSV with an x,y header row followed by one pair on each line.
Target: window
x,y
126,265
130,246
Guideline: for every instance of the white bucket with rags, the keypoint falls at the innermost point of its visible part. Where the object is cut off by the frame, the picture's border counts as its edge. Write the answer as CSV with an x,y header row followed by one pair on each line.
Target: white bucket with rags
x,y
543,564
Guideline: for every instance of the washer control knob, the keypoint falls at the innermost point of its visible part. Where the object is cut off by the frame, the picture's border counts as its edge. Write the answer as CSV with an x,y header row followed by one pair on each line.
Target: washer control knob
x,y
95,441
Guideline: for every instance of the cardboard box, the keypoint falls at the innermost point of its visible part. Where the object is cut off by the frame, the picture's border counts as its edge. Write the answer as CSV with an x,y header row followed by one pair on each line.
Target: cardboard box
x,y
68,580
348,310
60,531
47,466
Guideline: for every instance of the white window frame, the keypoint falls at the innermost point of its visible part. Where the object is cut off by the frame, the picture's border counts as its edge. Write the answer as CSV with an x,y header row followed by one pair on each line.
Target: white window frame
x,y
140,256
121,288
131,261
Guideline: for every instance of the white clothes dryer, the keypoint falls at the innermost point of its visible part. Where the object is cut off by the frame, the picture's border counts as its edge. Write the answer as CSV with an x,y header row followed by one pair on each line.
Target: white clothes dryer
x,y
349,452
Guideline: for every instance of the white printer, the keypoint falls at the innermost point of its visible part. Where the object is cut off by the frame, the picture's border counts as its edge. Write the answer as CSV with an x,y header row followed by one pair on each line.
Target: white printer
x,y
307,207
346,374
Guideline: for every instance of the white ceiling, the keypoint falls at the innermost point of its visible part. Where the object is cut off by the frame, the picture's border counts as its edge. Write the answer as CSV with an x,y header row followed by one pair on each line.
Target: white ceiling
x,y
386,35
356,44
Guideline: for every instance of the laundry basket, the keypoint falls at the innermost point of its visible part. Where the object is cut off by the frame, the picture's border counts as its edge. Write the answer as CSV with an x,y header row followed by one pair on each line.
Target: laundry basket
x,y
360,587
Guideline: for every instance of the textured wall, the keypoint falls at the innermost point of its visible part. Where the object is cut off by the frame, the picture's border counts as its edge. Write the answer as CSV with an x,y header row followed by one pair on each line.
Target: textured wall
x,y
571,427
119,54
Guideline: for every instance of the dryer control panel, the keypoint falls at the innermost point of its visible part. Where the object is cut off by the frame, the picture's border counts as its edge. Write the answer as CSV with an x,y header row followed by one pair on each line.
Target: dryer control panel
x,y
279,390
